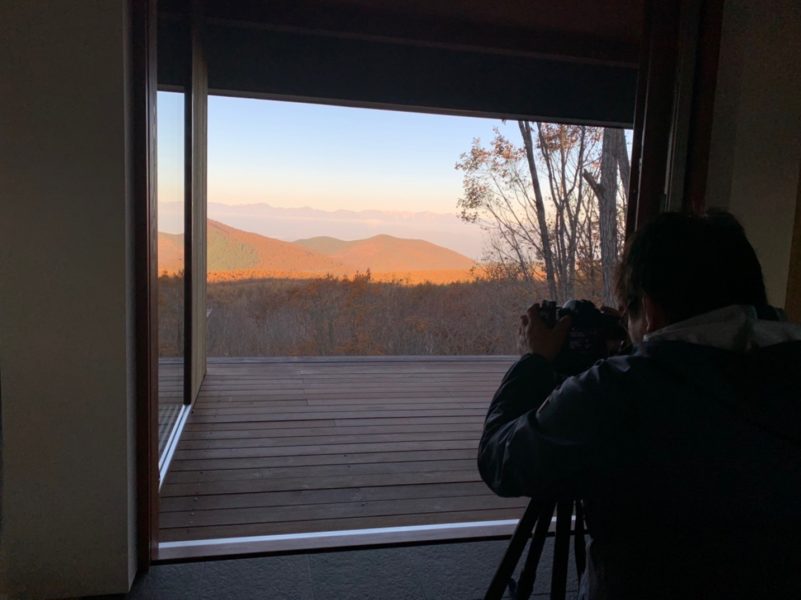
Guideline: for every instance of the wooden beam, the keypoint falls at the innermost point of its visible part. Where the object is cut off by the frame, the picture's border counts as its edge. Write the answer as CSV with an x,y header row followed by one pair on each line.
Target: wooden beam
x,y
636,145
195,176
673,119
657,111
353,71
601,32
792,302
702,106
143,14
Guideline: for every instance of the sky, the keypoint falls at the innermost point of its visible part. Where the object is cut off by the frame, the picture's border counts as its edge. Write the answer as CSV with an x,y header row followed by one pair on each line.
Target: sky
x,y
291,154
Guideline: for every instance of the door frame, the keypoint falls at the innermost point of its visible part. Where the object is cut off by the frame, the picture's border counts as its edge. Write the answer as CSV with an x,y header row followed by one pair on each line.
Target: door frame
x,y
144,21
655,126
143,108
195,206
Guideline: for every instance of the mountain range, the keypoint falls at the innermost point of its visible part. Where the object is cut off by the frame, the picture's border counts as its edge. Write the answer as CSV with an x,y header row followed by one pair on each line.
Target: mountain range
x,y
234,254
288,224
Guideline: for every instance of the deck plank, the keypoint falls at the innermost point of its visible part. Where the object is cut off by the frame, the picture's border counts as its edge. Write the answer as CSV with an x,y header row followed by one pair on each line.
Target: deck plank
x,y
322,431
325,459
313,471
300,445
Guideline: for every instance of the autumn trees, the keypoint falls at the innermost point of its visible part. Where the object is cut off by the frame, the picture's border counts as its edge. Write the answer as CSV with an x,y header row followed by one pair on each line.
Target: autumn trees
x,y
351,317
552,205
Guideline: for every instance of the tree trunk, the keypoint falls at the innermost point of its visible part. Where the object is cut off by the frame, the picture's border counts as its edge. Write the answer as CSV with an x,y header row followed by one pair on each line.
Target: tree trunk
x,y
525,131
606,192
622,160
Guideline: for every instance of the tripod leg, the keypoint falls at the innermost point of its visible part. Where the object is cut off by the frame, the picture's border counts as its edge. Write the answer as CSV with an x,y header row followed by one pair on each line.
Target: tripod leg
x,y
561,550
579,547
512,555
525,584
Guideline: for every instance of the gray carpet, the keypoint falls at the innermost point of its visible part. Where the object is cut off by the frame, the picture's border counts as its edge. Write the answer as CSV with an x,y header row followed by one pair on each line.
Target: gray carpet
x,y
437,572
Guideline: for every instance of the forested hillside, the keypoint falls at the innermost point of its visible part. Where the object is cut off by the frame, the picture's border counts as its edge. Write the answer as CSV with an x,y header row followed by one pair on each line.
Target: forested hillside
x,y
235,255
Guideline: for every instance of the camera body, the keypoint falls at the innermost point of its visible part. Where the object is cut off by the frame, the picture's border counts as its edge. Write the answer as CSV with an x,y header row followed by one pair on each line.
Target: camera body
x,y
593,335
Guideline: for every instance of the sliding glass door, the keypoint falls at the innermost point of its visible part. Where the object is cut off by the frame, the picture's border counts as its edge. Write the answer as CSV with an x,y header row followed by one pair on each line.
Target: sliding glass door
x,y
171,261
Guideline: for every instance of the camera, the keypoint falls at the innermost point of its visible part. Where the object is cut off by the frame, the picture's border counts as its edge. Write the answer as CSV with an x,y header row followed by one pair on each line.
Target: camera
x,y
593,335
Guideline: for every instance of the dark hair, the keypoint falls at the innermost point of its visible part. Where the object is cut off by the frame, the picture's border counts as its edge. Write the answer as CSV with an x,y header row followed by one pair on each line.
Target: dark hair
x,y
689,265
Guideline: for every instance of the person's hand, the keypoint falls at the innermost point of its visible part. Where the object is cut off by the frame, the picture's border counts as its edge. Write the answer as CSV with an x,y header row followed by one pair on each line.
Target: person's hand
x,y
536,337
612,312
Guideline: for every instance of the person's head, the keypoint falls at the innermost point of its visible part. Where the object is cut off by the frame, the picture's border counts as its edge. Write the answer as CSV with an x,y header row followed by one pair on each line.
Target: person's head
x,y
680,265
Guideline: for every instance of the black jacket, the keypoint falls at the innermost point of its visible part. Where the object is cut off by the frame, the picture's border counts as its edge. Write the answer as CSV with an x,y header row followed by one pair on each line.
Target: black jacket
x,y
687,454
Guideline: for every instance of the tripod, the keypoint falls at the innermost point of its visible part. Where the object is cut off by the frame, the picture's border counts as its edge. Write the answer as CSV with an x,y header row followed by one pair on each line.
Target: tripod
x,y
537,518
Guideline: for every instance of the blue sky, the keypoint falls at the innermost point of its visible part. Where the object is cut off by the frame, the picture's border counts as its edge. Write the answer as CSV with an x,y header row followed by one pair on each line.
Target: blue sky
x,y
292,155
326,157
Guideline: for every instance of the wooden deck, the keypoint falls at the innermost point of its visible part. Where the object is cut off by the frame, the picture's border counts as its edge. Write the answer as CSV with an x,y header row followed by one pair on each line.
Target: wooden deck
x,y
171,396
310,445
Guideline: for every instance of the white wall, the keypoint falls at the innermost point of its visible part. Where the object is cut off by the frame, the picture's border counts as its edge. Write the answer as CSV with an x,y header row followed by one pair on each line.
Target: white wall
x,y
66,352
756,136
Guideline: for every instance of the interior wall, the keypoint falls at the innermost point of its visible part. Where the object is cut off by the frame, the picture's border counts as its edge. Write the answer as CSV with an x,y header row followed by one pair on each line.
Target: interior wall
x,y
66,289
756,136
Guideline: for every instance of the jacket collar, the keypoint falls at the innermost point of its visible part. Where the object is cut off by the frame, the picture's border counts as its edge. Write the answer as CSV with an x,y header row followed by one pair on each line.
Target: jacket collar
x,y
734,327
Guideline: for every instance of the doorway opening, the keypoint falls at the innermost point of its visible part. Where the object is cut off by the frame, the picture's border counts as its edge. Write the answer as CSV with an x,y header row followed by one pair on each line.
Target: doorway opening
x,y
365,273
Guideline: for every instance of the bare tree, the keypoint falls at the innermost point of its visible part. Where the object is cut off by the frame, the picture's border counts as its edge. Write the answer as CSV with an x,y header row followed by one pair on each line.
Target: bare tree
x,y
539,203
535,201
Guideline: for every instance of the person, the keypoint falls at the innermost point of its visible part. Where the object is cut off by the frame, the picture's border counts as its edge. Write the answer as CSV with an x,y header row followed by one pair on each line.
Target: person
x,y
687,451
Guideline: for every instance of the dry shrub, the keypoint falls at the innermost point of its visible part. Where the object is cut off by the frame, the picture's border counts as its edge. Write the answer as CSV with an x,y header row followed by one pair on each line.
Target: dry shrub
x,y
353,316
